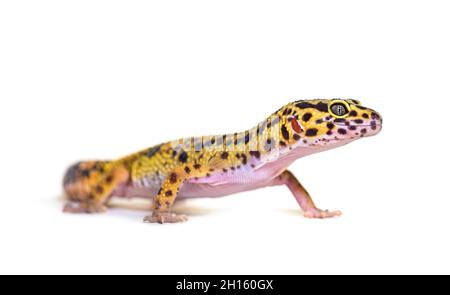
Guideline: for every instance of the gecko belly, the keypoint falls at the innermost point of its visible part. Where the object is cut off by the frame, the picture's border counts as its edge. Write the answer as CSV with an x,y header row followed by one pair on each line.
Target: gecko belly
x,y
217,184
193,190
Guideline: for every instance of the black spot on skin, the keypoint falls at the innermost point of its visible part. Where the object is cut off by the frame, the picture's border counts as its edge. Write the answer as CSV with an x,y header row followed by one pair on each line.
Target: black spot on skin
x,y
361,107
285,132
247,137
363,131
329,132
358,121
282,143
304,105
322,107
375,116
305,141
269,125
238,167
232,168
269,141
197,166
99,189
168,193
296,136
373,125
365,116
287,112
353,114
153,150
353,128
85,173
213,140
306,117
340,120
225,170
330,125
320,121
255,154
244,159
187,169
183,157
108,179
174,153
311,132
252,165
342,131
355,101
173,177
224,155
208,175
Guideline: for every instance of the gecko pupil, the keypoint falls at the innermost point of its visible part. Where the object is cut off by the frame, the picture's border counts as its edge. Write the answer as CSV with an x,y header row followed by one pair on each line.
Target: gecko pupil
x,y
339,109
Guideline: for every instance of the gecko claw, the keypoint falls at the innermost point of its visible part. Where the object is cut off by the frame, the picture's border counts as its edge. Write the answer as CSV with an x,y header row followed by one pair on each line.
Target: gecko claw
x,y
165,217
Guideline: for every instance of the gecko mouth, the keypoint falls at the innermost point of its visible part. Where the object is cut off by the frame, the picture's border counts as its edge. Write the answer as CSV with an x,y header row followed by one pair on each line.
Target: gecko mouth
x,y
362,126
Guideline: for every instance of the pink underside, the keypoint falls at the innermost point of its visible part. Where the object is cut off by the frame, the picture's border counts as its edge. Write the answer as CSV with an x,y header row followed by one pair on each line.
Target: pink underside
x,y
222,184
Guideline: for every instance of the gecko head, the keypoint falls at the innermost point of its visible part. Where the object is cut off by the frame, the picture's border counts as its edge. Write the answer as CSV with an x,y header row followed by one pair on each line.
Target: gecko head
x,y
328,122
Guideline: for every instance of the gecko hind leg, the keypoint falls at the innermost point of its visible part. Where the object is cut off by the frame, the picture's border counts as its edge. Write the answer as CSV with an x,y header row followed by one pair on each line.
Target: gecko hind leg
x,y
89,192
303,198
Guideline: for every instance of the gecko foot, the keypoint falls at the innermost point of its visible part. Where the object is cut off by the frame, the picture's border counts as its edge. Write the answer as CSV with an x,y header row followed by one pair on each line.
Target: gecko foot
x,y
165,217
80,207
318,213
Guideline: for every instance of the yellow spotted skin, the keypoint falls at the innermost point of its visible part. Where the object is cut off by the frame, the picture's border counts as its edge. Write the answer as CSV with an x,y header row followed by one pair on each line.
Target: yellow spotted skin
x,y
226,163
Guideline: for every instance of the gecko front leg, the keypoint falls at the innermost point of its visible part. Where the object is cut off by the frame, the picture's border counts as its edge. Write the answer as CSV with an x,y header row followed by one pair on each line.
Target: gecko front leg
x,y
303,198
165,199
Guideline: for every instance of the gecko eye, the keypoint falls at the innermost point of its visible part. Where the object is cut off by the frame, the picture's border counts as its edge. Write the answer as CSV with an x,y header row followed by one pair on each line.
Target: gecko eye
x,y
339,109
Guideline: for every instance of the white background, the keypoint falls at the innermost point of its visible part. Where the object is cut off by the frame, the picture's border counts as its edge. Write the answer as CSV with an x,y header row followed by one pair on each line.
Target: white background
x,y
101,79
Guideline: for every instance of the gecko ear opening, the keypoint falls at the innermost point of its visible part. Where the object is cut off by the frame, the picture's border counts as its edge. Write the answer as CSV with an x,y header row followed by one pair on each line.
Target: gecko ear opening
x,y
296,126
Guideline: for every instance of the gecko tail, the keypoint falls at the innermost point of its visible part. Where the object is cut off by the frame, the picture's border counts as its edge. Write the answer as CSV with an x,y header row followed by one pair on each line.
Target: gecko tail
x,y
81,177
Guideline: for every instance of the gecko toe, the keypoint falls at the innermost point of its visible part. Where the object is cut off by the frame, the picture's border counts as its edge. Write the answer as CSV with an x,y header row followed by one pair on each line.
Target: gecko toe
x,y
318,213
165,217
